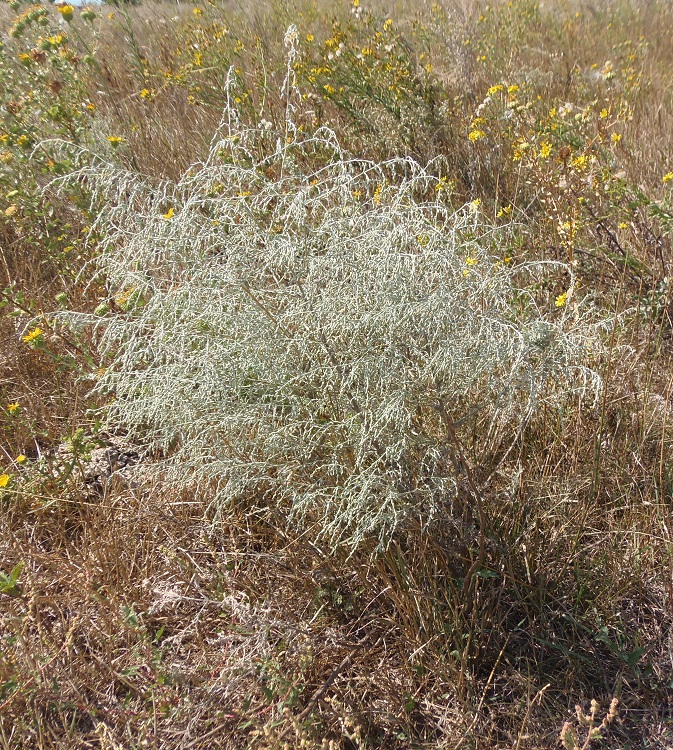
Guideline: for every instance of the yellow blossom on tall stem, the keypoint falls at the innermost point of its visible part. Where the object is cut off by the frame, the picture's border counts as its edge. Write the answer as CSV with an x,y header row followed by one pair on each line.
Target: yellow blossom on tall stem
x,y
66,11
32,336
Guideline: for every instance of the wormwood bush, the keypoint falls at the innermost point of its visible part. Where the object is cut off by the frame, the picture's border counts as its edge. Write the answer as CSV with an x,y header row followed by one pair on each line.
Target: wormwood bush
x,y
287,325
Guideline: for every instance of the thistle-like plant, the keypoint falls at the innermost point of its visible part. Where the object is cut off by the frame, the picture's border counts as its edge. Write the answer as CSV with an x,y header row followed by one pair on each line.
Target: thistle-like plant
x,y
292,328
594,729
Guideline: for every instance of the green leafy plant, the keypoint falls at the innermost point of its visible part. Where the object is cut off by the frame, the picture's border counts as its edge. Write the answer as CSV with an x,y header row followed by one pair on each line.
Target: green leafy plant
x,y
9,584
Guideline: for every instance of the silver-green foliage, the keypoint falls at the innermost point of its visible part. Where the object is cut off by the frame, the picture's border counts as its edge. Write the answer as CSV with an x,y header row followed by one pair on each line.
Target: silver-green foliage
x,y
291,331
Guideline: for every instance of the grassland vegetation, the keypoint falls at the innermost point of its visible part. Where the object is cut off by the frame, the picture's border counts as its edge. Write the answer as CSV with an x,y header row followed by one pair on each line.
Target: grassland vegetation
x,y
336,375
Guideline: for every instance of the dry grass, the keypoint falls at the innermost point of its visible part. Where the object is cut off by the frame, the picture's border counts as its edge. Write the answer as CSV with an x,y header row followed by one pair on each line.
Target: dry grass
x,y
140,618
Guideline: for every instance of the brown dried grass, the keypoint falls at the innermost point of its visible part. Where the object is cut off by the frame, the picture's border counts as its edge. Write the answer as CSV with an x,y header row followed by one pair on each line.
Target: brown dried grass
x,y
144,622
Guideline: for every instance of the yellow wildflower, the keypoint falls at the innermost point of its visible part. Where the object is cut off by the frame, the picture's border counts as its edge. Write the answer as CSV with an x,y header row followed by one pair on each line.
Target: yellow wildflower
x,y
616,137
20,458
475,135
545,149
4,480
469,261
32,335
623,225
495,89
668,177
13,408
115,140
604,113
561,299
197,11
122,298
66,11
169,214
